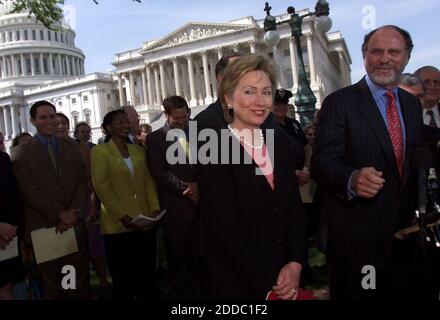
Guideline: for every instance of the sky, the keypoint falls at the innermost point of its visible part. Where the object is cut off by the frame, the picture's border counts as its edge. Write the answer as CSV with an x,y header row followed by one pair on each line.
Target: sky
x,y
116,26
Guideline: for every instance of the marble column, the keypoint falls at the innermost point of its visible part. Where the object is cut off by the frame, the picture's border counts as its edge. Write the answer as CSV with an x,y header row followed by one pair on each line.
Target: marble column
x,y
132,88
14,119
4,68
68,65
23,121
23,65
199,85
2,121
14,66
60,65
176,76
50,63
192,86
149,85
144,87
208,99
156,81
185,80
162,80
311,60
32,64
7,123
293,63
122,100
41,64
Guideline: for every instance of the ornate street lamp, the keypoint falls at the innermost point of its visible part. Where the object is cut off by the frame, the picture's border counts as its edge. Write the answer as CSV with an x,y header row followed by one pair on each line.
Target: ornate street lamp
x,y
305,100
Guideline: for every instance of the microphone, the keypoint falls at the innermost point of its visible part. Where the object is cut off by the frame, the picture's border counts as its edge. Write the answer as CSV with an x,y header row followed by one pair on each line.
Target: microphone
x,y
422,161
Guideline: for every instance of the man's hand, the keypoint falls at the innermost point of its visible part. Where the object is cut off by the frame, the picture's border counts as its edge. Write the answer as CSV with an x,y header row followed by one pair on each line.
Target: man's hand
x,y
367,182
303,176
191,191
7,231
3,243
69,217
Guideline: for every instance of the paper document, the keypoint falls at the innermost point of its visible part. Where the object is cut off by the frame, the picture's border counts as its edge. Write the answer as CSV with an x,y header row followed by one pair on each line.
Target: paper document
x,y
11,250
49,245
144,221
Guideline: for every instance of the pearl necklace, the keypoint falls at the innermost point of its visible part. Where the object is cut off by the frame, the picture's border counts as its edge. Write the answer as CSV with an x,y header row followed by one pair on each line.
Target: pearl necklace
x,y
241,139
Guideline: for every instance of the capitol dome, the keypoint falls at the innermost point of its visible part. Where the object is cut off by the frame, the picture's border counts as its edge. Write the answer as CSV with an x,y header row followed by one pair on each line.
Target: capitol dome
x,y
31,54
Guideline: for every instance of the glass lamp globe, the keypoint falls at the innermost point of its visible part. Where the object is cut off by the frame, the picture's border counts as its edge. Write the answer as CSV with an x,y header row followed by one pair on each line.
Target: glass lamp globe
x,y
323,23
272,38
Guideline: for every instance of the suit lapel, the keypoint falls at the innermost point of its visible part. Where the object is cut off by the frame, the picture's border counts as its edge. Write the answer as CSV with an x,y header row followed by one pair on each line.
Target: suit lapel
x,y
42,155
367,106
409,128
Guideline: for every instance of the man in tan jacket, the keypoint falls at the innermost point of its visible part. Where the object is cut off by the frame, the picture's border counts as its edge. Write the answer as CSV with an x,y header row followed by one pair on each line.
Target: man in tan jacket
x,y
53,182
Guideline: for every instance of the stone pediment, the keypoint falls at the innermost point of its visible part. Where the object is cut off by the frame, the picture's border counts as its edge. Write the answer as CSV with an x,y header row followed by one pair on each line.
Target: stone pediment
x,y
194,32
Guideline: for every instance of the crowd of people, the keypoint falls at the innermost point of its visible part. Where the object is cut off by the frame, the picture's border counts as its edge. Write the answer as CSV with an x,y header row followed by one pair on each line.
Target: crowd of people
x,y
240,203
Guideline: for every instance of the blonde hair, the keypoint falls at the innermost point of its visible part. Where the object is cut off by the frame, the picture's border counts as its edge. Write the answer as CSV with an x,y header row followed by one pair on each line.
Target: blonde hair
x,y
236,70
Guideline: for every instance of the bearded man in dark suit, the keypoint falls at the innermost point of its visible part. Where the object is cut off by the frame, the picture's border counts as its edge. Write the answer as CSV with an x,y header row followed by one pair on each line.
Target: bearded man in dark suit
x,y
365,135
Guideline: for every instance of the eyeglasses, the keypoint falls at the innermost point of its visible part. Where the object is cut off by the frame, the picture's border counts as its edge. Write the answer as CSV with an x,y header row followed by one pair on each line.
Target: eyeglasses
x,y
429,83
394,52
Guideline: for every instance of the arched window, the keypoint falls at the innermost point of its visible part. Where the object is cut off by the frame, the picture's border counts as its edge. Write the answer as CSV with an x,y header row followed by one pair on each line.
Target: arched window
x,y
26,35
17,35
34,35
41,35
49,35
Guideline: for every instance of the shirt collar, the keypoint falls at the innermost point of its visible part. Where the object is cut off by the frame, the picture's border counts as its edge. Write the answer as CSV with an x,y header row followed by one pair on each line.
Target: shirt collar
x,y
44,140
434,110
378,91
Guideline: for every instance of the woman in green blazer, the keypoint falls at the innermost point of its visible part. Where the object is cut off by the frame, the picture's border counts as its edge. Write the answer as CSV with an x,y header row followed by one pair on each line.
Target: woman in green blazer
x,y
126,189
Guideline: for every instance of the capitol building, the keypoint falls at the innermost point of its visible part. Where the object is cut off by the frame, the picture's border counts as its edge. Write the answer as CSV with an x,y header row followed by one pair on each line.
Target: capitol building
x,y
41,64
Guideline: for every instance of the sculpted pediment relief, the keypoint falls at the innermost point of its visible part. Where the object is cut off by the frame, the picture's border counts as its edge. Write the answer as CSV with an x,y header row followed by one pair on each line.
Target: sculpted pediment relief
x,y
195,32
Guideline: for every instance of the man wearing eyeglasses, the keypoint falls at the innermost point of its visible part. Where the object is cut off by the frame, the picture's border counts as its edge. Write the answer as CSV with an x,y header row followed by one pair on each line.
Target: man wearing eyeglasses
x,y
430,76
365,135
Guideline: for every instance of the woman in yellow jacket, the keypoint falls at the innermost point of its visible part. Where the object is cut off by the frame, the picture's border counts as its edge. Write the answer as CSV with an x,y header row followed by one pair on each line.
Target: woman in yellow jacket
x,y
126,189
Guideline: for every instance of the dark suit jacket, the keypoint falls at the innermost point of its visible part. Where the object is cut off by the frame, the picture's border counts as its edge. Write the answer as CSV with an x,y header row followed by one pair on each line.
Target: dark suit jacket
x,y
431,138
250,231
45,192
352,134
169,177
9,212
293,128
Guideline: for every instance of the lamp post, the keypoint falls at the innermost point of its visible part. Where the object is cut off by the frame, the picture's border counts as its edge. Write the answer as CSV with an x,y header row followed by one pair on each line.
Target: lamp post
x,y
305,100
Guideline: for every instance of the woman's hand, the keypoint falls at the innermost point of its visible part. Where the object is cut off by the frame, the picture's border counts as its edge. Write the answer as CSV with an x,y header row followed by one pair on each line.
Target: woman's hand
x,y
7,231
126,221
288,281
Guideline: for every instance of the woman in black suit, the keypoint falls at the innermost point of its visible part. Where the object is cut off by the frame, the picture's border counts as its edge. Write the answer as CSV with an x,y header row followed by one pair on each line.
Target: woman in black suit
x,y
252,217
11,270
